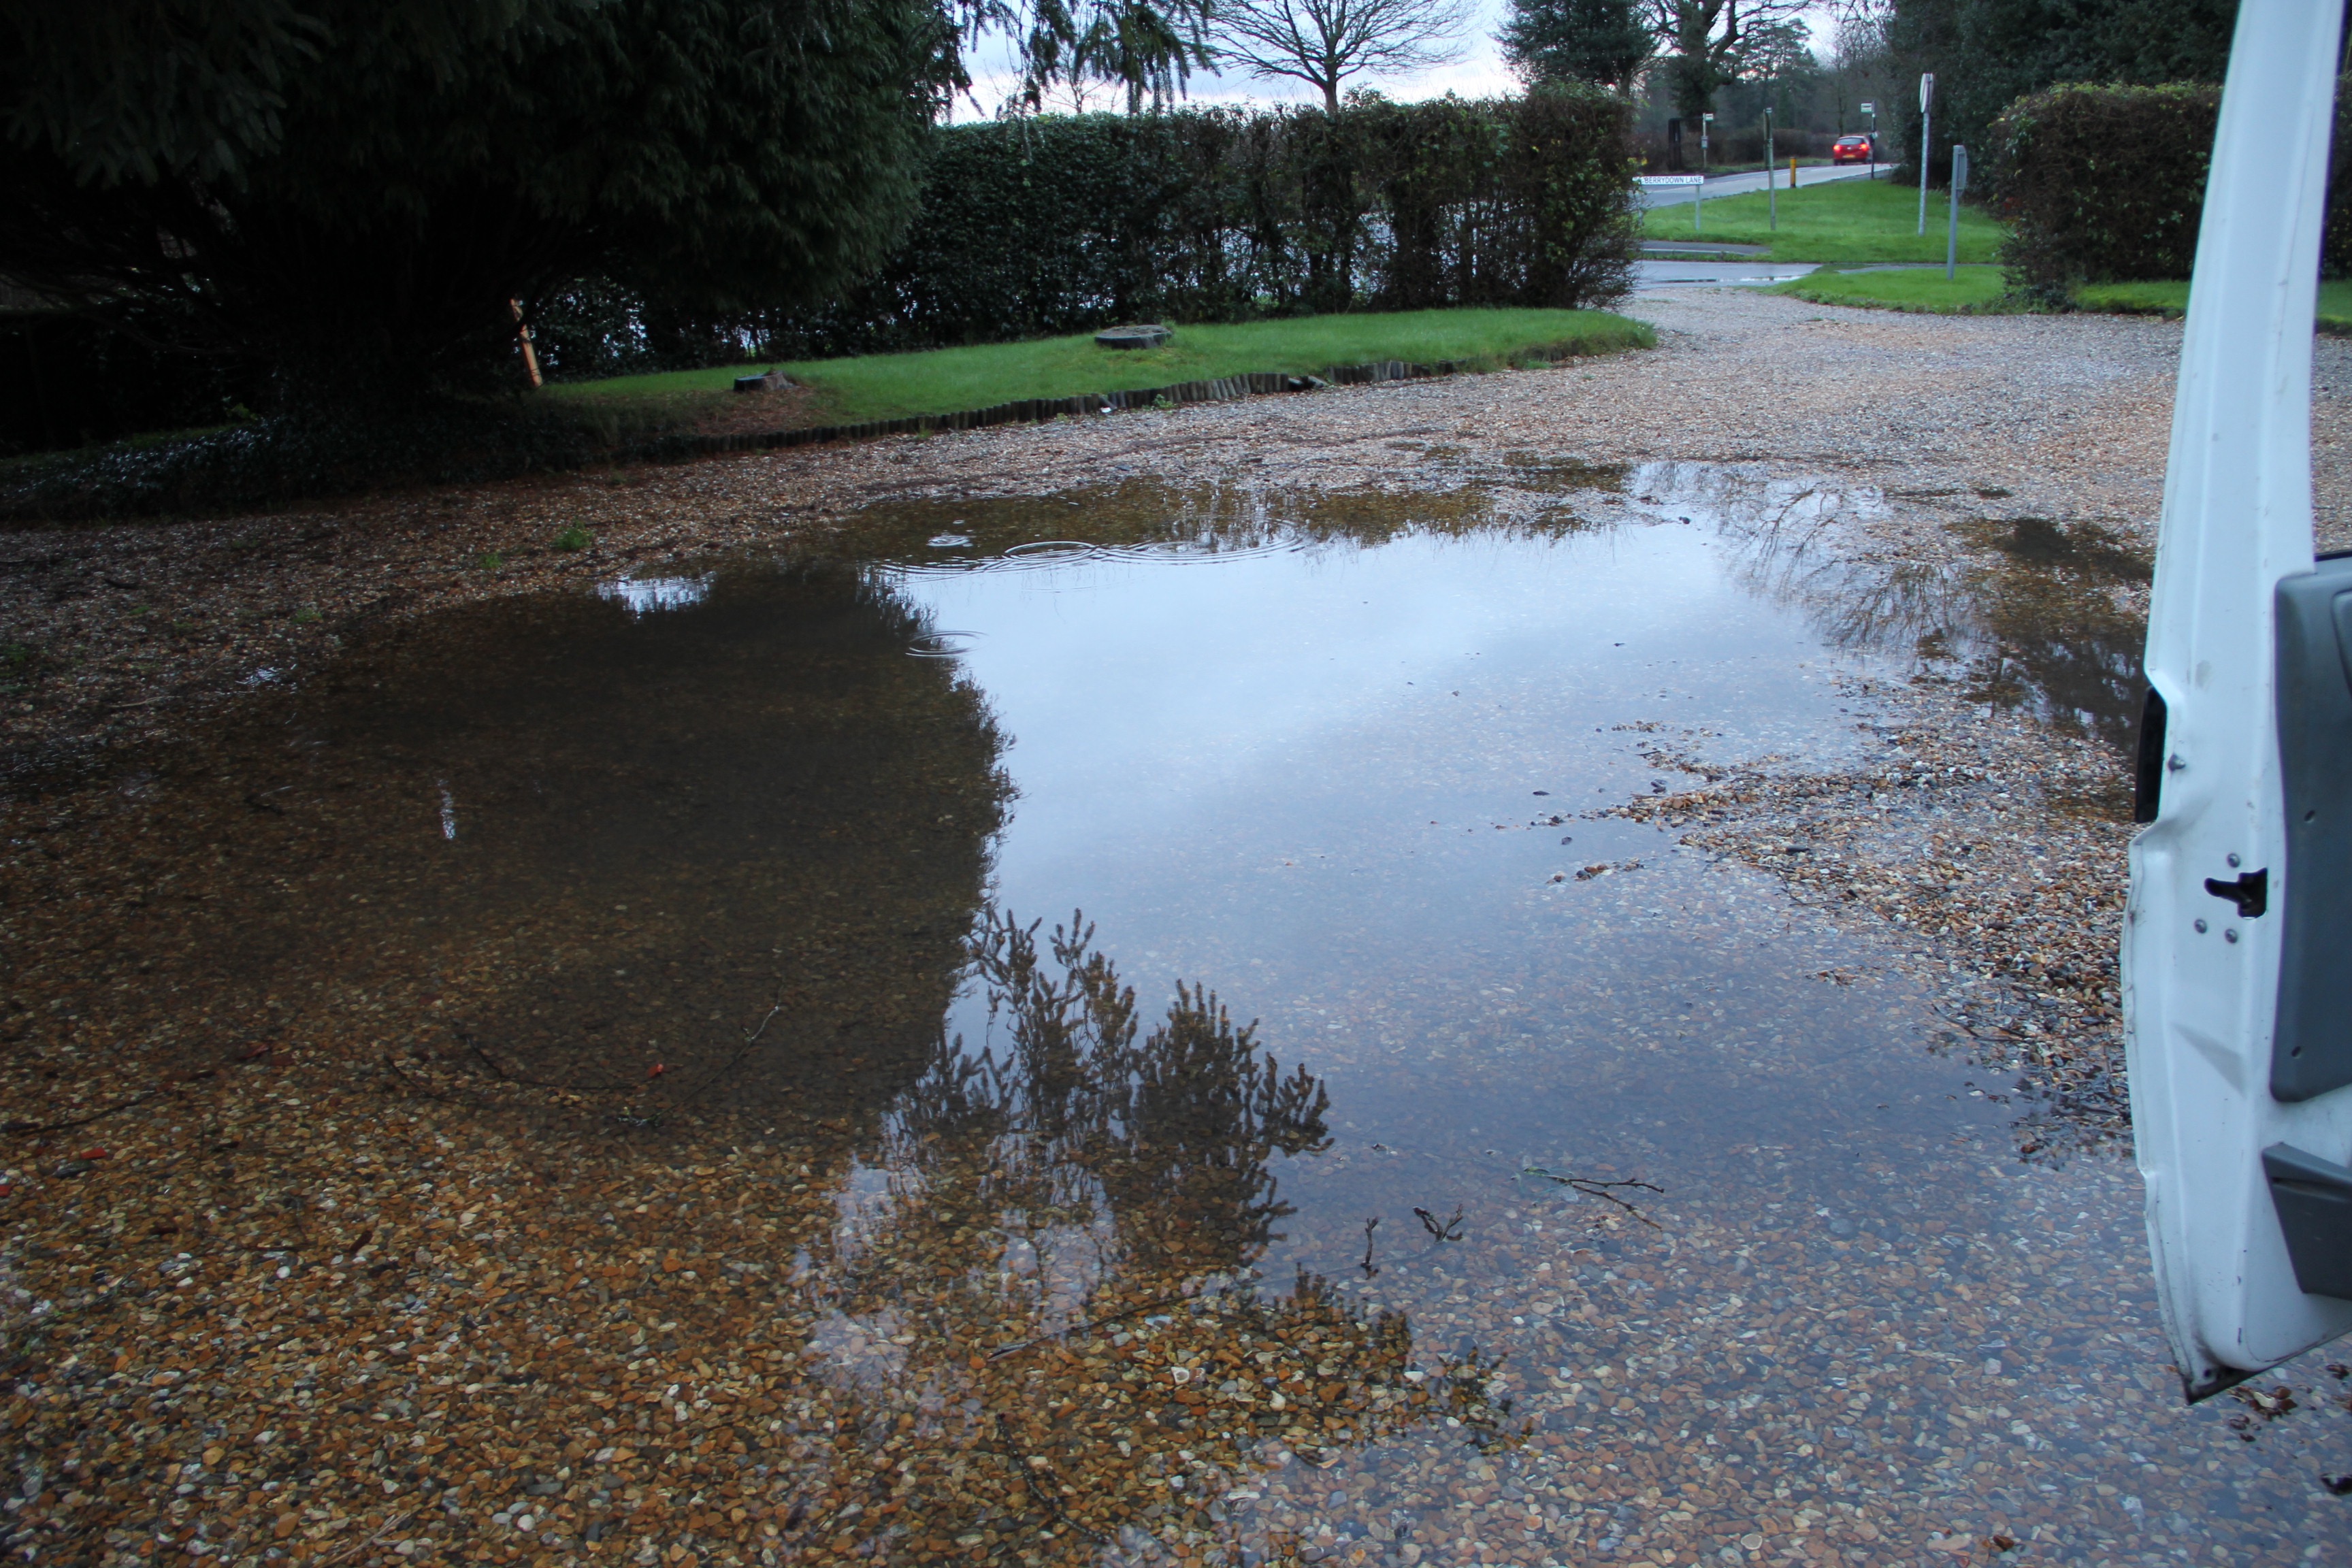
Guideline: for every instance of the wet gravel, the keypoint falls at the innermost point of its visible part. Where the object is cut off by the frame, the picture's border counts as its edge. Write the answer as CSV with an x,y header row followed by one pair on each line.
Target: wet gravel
x,y
2067,415
288,1277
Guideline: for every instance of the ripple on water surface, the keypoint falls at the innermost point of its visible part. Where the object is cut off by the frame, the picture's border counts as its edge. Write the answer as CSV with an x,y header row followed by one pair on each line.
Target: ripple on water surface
x,y
1398,1164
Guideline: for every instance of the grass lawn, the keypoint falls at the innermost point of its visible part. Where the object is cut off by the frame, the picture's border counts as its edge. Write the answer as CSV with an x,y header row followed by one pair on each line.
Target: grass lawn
x,y
1851,220
943,380
2172,298
1912,289
1980,288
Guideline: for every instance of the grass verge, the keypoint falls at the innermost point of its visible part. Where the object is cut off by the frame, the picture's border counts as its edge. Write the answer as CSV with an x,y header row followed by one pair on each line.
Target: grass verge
x,y
1972,289
1847,220
945,381
1977,290
275,461
2170,297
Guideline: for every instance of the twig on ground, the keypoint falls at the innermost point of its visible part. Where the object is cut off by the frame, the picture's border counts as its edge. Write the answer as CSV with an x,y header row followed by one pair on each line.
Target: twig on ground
x,y
504,1077
352,1548
1046,1499
414,1084
27,1129
1149,1307
1593,1187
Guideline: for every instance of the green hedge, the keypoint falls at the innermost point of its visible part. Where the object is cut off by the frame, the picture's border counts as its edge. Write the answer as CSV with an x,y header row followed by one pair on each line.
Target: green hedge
x,y
2106,184
1038,228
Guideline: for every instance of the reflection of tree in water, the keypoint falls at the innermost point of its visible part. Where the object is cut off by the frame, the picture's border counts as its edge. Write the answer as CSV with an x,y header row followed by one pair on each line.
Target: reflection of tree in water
x,y
2038,628
1178,1124
719,852
1064,1234
743,837
1152,516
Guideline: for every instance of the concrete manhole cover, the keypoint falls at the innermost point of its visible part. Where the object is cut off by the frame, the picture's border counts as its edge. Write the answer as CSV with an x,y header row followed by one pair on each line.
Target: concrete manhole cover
x,y
1148,336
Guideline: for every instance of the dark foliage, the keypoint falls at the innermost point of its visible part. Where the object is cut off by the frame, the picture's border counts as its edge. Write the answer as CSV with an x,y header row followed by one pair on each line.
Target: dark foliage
x,y
386,177
1034,228
1988,53
2107,184
1601,41
69,381
325,451
139,90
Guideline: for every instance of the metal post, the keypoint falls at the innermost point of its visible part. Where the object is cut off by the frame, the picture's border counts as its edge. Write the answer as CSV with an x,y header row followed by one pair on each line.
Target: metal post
x,y
1872,110
1771,201
1927,141
1952,234
1699,194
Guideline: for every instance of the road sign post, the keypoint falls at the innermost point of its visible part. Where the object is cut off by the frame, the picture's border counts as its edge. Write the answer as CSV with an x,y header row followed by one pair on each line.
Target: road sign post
x,y
1656,182
1871,110
1772,202
1698,197
1926,140
1952,234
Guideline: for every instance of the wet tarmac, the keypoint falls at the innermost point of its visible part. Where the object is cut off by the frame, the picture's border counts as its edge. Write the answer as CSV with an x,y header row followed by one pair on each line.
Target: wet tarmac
x,y
1391,1160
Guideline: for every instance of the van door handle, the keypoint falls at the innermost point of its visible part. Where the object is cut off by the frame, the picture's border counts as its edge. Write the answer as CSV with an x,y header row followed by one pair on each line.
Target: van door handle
x,y
2251,893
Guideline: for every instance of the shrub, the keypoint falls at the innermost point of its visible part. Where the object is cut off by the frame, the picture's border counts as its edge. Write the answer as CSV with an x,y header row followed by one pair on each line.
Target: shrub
x,y
1034,228
266,462
2107,184
67,379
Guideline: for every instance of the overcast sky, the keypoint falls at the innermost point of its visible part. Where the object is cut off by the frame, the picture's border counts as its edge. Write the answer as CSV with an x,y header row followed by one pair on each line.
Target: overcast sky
x,y
1481,73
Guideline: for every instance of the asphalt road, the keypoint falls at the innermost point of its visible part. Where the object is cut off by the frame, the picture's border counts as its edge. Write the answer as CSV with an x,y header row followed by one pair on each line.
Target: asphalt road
x,y
1739,184
1649,274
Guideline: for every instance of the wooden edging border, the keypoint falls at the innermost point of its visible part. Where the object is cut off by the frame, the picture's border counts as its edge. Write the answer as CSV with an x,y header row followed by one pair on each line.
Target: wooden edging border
x,y
1037,410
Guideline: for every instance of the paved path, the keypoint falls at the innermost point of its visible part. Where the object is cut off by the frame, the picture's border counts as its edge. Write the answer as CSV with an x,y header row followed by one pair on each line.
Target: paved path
x,y
1741,185
1649,274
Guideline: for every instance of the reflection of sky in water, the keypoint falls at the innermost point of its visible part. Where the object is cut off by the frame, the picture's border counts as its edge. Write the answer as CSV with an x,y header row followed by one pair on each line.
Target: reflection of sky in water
x,y
1151,705
731,852
644,596
1309,776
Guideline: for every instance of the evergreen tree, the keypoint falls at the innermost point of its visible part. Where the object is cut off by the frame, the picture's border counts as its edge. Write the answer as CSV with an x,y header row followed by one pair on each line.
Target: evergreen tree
x,y
1603,41
354,194
1986,54
350,193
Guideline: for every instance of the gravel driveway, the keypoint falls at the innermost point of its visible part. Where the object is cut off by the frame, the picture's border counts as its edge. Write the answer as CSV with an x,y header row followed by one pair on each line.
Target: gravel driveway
x,y
1995,478
1955,426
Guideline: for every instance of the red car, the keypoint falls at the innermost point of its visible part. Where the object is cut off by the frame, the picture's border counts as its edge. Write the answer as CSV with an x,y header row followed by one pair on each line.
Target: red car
x,y
1851,150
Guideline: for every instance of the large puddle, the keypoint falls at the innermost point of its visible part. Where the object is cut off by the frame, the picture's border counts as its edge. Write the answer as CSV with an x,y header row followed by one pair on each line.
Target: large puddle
x,y
1398,1164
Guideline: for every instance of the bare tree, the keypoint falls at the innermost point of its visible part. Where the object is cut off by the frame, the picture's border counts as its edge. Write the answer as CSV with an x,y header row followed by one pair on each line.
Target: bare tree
x,y
1708,44
1325,42
1863,66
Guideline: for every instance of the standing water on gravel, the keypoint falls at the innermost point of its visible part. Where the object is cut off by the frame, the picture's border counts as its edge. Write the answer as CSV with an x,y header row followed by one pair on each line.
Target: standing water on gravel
x,y
1401,1162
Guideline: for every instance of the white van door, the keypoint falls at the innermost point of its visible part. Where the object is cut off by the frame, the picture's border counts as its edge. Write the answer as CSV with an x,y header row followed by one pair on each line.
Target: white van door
x,y
2237,981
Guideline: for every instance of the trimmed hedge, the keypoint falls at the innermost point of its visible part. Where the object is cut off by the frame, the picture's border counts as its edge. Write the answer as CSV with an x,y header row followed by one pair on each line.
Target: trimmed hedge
x,y
1046,227
2106,184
